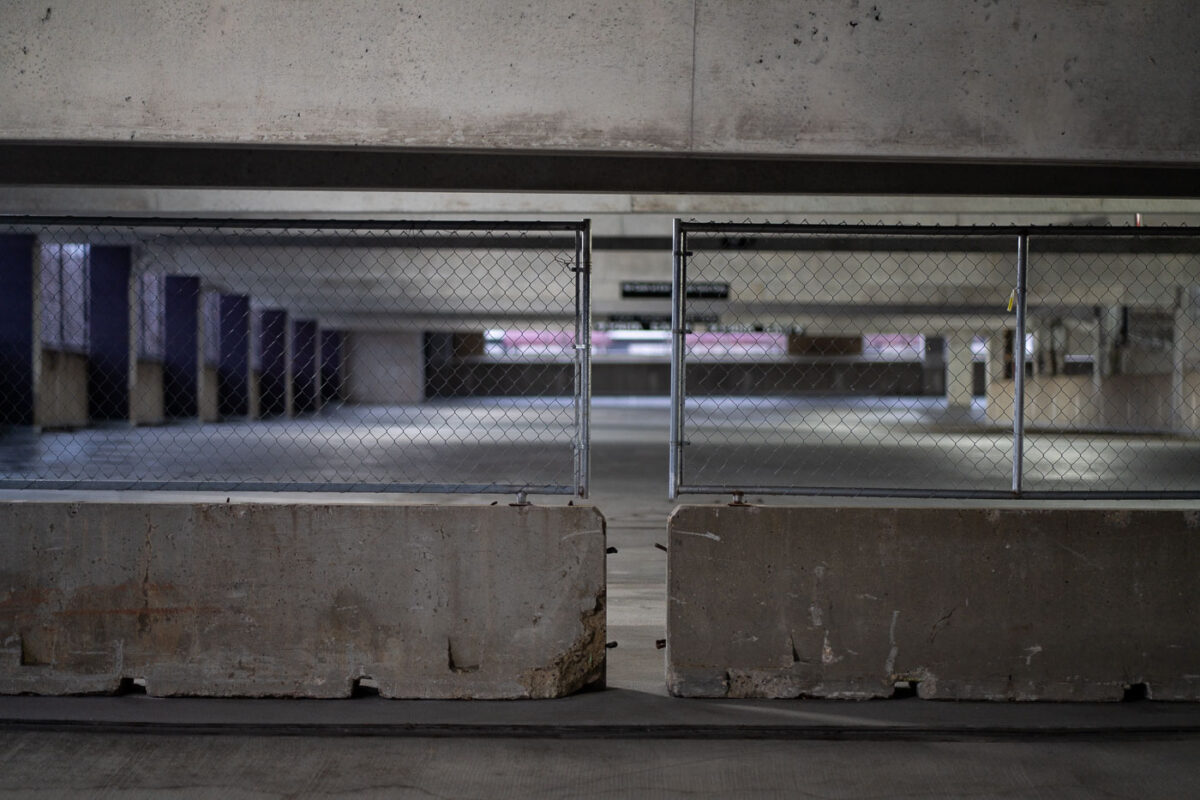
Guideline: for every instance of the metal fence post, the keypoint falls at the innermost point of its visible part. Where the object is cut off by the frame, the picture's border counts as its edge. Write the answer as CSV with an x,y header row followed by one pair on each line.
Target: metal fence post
x,y
678,345
1019,367
583,355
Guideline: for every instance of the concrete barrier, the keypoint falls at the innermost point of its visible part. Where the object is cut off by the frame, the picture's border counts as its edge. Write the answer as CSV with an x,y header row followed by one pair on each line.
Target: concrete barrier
x,y
971,603
301,599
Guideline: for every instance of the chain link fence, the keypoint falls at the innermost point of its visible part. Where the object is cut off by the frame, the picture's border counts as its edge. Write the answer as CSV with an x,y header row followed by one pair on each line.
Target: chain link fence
x,y
1111,365
887,360
294,355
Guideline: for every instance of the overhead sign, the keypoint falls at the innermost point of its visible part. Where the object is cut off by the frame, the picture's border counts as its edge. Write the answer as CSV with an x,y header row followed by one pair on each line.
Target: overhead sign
x,y
644,290
650,322
754,327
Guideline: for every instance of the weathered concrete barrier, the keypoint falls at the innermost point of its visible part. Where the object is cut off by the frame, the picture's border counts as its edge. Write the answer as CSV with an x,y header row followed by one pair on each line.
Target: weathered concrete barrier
x,y
301,599
1018,603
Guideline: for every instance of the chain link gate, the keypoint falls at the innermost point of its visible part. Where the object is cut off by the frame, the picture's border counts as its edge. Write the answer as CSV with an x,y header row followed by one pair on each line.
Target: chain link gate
x,y
882,360
295,355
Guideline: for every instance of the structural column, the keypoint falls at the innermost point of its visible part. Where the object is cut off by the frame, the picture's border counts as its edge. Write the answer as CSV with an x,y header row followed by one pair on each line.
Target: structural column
x,y
306,397
934,366
18,333
331,366
110,374
960,371
274,389
181,347
1185,386
1109,333
439,360
999,386
391,367
233,369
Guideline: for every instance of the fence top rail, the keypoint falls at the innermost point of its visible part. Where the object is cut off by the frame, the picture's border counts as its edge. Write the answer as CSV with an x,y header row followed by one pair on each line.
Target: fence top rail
x,y
934,494
693,226
84,485
574,226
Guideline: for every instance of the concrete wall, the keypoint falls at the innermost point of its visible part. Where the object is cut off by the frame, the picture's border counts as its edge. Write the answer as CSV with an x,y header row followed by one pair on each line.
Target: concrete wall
x,y
972,603
146,399
62,400
385,368
1019,80
302,600
1122,402
776,378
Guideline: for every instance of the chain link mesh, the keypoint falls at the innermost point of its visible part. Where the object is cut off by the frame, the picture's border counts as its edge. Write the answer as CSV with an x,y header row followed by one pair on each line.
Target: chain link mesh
x,y
1112,381
295,355
879,360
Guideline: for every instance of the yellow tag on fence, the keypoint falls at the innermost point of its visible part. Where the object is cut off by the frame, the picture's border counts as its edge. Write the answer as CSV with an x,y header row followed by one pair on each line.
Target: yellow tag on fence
x,y
1012,299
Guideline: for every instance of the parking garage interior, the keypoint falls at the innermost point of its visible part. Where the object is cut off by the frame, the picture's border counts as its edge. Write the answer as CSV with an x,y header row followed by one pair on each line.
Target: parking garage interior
x,y
848,398
323,334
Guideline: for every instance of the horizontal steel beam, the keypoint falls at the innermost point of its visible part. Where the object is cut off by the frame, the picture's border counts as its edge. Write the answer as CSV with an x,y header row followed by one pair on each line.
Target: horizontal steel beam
x,y
279,167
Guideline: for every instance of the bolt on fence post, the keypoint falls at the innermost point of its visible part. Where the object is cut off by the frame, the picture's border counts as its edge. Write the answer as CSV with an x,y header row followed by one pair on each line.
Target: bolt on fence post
x,y
583,356
1019,367
678,343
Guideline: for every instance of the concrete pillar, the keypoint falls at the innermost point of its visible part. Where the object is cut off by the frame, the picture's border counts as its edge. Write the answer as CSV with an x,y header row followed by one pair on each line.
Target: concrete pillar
x,y
1108,339
181,347
934,368
233,369
995,357
1037,361
331,366
110,373
959,370
1060,345
390,367
999,386
439,373
306,395
1185,357
274,390
18,331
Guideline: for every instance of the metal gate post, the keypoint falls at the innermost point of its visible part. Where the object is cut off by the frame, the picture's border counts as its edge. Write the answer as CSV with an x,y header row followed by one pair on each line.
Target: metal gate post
x,y
583,357
678,345
1019,368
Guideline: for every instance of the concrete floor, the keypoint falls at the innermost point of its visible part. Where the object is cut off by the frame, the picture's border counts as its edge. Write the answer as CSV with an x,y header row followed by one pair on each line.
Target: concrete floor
x,y
144,765
907,443
629,741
